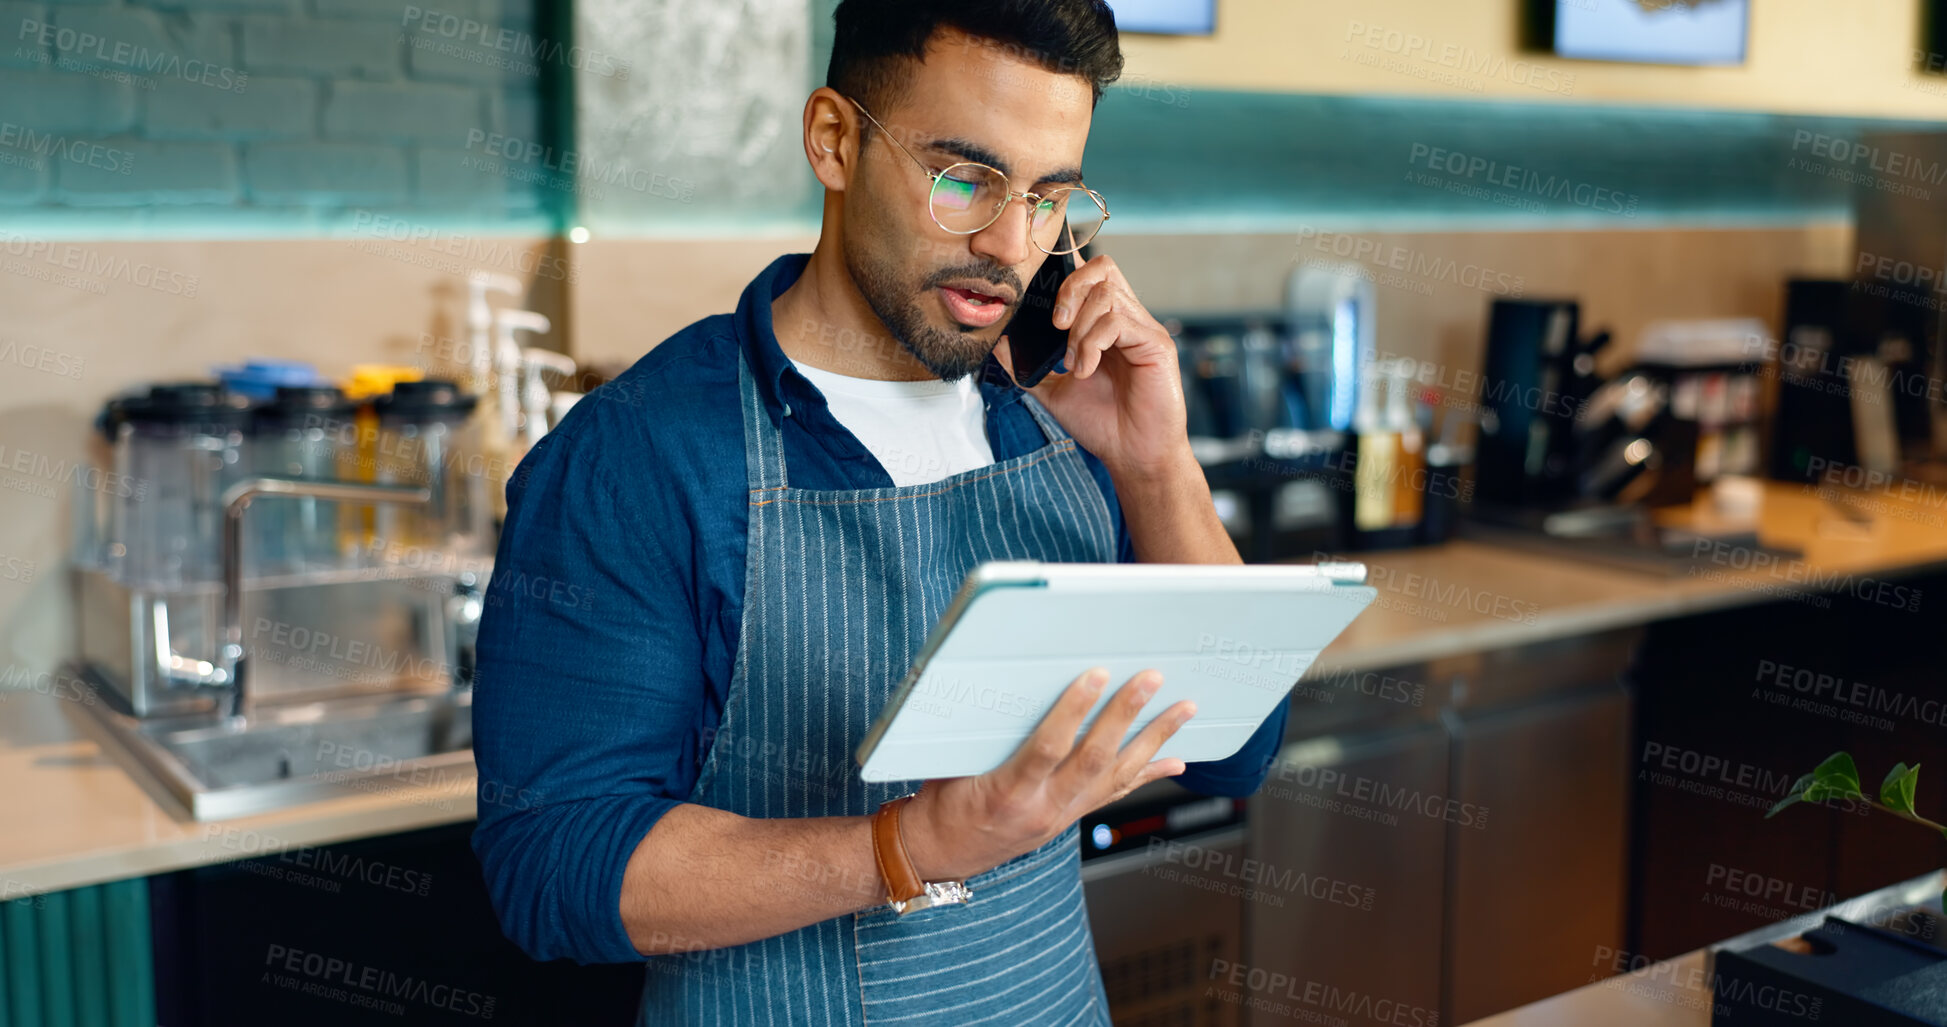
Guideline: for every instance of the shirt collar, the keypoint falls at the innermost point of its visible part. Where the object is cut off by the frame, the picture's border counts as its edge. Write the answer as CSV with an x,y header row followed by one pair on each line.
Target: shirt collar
x,y
778,379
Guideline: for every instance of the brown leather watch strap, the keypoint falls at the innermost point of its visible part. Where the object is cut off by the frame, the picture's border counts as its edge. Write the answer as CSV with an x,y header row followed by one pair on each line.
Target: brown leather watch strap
x,y
889,851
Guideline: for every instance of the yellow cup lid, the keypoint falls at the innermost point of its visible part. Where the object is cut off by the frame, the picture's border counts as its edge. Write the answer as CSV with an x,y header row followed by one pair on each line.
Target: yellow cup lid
x,y
369,380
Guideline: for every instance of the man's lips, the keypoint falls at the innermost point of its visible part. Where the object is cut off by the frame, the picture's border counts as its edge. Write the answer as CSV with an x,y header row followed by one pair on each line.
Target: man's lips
x,y
973,308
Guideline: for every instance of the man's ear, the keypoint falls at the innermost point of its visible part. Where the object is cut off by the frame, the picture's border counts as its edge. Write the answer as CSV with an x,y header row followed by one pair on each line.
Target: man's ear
x,y
831,137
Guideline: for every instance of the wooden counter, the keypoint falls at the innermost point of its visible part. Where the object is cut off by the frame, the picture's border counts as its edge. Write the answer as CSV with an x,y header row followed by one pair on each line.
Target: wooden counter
x,y
1675,993
73,817
1468,596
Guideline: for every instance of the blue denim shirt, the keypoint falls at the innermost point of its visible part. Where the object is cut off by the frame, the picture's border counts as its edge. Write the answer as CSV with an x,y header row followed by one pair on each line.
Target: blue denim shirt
x,y
611,624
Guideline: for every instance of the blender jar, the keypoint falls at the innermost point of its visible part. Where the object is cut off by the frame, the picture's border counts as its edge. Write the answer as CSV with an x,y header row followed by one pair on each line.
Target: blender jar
x,y
423,428
305,432
176,450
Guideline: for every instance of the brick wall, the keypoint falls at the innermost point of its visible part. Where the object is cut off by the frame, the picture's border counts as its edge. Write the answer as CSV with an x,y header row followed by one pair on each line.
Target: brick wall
x,y
234,109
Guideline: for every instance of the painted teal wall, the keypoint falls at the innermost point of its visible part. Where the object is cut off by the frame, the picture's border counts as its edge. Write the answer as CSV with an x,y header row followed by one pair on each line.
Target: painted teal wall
x,y
211,116
282,117
1176,159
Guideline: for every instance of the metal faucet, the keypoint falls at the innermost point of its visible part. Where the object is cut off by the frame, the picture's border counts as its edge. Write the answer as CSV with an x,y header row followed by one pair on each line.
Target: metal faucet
x,y
236,499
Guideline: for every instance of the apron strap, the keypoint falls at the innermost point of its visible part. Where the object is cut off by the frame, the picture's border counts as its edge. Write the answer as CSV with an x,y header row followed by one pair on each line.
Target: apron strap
x,y
1049,426
763,442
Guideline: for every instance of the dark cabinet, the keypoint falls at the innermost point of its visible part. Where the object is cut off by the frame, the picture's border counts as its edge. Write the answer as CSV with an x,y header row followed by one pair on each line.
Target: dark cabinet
x,y
386,930
1355,825
1733,707
1539,874
1483,822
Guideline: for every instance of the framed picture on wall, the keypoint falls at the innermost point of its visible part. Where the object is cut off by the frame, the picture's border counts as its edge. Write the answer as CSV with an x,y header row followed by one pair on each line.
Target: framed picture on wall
x,y
1697,32
1166,17
1931,57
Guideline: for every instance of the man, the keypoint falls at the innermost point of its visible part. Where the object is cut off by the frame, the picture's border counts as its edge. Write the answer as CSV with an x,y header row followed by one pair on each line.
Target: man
x,y
715,572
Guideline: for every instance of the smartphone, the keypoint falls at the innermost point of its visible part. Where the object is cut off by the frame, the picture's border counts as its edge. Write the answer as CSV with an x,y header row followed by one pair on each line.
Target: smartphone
x,y
1036,344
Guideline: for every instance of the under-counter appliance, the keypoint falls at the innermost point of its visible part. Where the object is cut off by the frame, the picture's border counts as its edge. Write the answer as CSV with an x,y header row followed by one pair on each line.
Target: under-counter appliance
x,y
1156,870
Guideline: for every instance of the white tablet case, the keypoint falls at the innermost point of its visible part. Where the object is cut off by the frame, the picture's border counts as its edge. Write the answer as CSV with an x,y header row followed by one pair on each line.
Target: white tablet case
x,y
1235,639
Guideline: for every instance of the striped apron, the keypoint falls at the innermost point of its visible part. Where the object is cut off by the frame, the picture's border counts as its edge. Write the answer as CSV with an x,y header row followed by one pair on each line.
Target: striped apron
x,y
840,591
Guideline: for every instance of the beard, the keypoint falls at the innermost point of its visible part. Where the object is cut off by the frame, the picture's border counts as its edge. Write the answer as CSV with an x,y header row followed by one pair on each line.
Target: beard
x,y
950,352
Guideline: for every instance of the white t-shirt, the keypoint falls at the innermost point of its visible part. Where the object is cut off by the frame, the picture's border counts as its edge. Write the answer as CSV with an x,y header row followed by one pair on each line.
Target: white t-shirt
x,y
920,432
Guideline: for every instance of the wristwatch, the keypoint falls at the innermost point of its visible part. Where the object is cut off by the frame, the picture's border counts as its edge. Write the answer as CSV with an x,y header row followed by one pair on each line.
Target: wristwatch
x,y
905,892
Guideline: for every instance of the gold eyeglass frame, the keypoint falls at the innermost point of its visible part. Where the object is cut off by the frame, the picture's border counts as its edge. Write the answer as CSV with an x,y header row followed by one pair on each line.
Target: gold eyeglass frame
x,y
1032,199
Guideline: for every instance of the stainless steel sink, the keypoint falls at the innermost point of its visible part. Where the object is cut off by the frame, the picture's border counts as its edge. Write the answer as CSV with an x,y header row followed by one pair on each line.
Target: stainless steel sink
x,y
213,767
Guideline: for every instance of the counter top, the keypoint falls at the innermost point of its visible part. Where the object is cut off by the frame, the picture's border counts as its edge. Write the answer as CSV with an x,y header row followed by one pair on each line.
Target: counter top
x,y
74,817
1678,992
1675,993
1467,596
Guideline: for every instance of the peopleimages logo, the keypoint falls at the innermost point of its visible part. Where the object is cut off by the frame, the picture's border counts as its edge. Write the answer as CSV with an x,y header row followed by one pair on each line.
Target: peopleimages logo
x,y
82,152
1266,880
40,358
1886,162
85,261
1410,262
516,44
1861,699
1301,992
468,250
1449,63
70,43
1524,180
358,984
580,169
1288,779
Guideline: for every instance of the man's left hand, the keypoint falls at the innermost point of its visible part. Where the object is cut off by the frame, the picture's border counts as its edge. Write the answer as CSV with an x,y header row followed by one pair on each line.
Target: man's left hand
x,y
1122,398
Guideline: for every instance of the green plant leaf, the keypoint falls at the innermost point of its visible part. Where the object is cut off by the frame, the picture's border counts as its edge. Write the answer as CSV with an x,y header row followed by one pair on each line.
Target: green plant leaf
x,y
1896,793
1782,803
1839,773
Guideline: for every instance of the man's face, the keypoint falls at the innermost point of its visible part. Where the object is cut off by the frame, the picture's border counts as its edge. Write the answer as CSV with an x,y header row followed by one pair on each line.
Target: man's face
x,y
948,297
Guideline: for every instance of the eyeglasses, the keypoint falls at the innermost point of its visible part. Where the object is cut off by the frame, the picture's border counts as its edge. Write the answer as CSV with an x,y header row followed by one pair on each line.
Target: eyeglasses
x,y
968,196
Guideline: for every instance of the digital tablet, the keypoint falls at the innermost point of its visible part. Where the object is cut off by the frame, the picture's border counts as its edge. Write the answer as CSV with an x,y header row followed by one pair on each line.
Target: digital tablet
x,y
1233,638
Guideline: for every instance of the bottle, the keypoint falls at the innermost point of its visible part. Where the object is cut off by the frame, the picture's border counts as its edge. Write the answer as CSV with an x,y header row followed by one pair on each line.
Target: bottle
x,y
497,436
1377,444
1409,469
359,462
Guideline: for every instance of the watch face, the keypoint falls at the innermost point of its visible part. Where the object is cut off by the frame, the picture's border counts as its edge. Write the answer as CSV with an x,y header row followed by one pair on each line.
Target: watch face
x,y
937,893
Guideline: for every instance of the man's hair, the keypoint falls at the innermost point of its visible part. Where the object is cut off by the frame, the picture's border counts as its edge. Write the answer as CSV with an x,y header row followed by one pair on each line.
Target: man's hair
x,y
879,43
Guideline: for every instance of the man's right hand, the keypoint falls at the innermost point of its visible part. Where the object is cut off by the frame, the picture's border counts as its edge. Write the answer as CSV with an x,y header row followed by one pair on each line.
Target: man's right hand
x,y
960,826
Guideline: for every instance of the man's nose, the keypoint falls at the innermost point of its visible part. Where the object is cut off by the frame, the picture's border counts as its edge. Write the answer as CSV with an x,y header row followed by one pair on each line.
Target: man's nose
x,y
1006,242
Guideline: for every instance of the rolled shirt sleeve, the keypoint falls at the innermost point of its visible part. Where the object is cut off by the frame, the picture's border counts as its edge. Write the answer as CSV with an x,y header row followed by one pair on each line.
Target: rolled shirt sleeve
x,y
590,678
